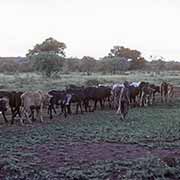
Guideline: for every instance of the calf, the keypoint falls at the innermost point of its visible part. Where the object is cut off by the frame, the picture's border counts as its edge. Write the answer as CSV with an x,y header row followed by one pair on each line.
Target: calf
x,y
34,101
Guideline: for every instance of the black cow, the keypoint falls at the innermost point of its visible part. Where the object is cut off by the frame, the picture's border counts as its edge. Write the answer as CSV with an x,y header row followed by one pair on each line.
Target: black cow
x,y
97,94
58,98
77,95
14,99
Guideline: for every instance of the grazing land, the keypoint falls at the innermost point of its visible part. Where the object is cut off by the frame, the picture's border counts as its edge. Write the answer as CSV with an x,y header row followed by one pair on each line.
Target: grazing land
x,y
95,145
33,81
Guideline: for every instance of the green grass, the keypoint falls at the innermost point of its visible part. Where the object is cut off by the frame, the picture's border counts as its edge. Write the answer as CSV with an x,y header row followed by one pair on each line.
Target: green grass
x,y
152,127
33,81
155,127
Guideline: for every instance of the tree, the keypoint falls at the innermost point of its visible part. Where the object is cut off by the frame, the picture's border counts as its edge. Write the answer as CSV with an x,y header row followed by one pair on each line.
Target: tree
x,y
47,63
134,56
48,56
72,65
114,64
49,45
88,64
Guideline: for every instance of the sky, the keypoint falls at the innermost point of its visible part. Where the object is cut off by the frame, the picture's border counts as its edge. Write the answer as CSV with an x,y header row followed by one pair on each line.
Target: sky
x,y
92,27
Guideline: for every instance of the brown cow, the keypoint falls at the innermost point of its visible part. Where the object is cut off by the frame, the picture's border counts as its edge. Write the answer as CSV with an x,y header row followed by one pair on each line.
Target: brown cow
x,y
164,91
167,92
34,101
147,96
170,92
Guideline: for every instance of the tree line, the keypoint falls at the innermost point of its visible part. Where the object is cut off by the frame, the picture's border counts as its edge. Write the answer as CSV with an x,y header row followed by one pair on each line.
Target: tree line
x,y
49,58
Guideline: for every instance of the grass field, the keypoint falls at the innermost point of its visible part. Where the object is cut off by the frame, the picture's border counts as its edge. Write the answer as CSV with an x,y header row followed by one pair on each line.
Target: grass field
x,y
94,145
33,81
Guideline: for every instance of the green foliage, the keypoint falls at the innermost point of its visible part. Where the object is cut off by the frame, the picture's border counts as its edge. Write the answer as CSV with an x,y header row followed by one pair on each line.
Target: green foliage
x,y
23,150
88,64
47,56
47,63
92,82
137,61
34,81
49,45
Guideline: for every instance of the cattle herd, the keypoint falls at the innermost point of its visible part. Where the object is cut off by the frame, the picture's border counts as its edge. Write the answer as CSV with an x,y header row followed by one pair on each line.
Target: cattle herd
x,y
119,97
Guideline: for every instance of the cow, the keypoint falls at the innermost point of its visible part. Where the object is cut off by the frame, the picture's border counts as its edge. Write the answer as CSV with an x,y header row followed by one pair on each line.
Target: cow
x,y
59,97
135,91
115,92
156,90
147,96
14,101
107,95
33,101
124,101
96,94
77,96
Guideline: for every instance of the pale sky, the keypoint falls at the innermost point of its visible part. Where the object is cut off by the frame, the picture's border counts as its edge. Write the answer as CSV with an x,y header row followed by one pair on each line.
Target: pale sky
x,y
91,27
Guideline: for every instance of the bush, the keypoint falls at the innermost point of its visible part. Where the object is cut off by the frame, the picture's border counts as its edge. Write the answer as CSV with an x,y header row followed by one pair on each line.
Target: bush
x,y
92,82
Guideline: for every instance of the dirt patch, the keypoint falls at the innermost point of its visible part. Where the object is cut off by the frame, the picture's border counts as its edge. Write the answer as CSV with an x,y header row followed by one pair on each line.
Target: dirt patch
x,y
56,155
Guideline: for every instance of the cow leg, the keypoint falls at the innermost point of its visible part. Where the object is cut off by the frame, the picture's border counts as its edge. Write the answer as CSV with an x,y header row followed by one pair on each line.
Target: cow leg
x,y
80,105
23,114
64,111
4,116
27,116
125,110
109,102
77,107
50,111
89,106
69,109
54,109
40,111
33,116
85,105
142,98
101,104
95,105
119,107
122,112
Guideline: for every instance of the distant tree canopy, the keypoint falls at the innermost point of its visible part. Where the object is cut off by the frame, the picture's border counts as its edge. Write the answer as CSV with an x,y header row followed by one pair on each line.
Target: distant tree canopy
x,y
133,56
87,64
49,45
48,56
113,65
